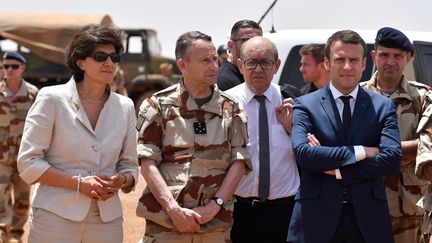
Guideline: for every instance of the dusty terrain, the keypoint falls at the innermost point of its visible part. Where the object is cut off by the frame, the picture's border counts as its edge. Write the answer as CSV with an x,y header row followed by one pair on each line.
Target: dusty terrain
x,y
133,226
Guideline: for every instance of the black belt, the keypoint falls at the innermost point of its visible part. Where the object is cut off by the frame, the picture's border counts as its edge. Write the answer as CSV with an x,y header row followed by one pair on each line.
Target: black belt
x,y
256,202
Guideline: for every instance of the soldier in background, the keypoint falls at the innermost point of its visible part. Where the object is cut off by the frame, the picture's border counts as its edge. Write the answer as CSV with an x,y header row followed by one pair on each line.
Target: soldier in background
x,y
229,74
393,51
222,53
16,98
192,150
314,72
1,70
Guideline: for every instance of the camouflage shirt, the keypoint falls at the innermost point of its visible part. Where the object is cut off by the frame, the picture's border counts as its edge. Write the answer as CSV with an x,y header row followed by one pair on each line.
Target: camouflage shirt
x,y
404,190
13,112
193,148
424,152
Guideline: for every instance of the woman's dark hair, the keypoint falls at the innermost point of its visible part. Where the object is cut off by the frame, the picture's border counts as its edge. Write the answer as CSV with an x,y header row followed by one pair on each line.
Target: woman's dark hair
x,y
86,40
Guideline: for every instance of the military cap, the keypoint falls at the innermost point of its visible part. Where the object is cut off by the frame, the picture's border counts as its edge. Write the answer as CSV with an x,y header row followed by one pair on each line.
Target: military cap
x,y
15,56
393,38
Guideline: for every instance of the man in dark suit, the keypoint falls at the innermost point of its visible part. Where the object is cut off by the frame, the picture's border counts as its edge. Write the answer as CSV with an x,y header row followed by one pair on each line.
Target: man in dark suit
x,y
344,155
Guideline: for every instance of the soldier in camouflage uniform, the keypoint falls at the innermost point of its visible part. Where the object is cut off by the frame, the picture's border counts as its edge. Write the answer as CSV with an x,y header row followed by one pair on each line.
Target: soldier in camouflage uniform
x,y
424,163
16,97
393,51
192,150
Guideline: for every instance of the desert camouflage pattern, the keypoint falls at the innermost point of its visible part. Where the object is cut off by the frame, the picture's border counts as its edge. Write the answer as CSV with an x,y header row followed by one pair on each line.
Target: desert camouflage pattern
x,y
404,190
193,165
13,111
424,157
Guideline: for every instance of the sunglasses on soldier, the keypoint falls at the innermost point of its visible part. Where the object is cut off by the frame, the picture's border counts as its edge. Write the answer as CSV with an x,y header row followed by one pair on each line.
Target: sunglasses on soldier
x,y
102,56
13,66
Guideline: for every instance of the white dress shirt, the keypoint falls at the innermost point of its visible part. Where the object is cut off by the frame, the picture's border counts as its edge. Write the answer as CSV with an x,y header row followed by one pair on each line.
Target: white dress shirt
x,y
284,177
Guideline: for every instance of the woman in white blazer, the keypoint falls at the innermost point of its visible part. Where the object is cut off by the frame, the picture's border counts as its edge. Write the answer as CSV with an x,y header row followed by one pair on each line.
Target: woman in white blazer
x,y
79,146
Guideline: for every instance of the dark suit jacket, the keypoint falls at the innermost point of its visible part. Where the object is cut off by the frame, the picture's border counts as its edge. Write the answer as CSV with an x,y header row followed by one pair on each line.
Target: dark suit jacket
x,y
318,202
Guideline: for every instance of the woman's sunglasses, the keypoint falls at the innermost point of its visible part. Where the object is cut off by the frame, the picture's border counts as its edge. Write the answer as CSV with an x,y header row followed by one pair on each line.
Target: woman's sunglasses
x,y
102,57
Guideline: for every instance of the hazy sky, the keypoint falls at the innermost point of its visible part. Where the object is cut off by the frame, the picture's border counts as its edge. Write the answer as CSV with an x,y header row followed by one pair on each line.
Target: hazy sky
x,y
172,18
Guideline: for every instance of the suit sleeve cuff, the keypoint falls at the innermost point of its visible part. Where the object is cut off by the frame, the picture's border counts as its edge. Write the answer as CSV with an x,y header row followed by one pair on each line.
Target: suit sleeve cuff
x,y
360,153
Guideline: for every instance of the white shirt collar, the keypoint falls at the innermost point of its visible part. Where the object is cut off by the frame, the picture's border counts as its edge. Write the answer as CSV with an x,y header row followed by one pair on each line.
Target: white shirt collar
x,y
336,93
250,94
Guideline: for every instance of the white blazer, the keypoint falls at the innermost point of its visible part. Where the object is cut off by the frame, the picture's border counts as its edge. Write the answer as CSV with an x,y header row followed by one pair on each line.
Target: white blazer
x,y
57,133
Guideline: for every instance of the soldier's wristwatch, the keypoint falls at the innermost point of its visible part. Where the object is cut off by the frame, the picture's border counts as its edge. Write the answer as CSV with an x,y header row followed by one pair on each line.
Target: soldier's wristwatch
x,y
219,201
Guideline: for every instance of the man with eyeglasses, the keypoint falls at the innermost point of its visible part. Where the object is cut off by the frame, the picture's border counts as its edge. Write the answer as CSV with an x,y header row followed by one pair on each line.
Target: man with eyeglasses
x,y
265,196
16,98
229,74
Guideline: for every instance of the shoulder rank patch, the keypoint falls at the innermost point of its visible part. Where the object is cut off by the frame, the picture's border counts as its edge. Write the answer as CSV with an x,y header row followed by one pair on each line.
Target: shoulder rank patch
x,y
140,122
146,115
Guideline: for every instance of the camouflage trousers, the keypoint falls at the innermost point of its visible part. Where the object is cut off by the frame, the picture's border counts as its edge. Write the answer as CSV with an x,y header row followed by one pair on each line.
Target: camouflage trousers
x,y
176,237
407,229
14,201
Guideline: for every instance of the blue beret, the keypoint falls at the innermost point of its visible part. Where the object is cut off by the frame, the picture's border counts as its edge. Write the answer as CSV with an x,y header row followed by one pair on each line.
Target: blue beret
x,y
15,56
393,38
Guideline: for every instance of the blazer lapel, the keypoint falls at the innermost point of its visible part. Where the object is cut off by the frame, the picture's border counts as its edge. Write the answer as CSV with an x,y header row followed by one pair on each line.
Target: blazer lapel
x,y
361,105
80,114
329,106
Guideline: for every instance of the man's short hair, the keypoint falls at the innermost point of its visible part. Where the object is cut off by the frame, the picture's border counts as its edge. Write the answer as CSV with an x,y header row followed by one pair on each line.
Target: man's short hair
x,y
245,23
345,36
186,40
314,50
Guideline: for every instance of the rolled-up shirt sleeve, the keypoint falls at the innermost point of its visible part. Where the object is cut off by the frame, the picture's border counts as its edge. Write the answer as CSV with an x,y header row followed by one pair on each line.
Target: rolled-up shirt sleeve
x,y
239,139
36,138
149,138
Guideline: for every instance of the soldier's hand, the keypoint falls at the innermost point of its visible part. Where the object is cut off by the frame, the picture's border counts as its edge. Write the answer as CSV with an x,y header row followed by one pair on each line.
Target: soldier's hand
x,y
184,219
207,212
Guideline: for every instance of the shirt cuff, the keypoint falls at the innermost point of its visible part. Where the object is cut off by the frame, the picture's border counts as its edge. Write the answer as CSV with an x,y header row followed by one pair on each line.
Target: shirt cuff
x,y
360,153
338,174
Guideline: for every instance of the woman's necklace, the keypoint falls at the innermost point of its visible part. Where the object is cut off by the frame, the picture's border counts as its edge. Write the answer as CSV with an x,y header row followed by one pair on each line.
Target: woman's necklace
x,y
92,102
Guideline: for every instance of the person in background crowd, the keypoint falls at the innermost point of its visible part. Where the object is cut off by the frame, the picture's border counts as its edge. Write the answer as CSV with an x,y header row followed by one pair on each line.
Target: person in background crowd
x,y
313,69
16,98
222,53
79,146
229,74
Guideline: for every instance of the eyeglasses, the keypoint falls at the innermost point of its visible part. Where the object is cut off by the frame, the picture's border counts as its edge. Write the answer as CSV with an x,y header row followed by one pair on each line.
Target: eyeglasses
x,y
102,56
13,66
265,64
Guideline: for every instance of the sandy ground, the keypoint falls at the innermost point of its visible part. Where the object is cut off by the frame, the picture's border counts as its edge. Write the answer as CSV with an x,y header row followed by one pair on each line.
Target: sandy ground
x,y
133,225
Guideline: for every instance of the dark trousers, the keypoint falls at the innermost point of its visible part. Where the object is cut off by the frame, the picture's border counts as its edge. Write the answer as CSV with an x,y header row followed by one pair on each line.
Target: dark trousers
x,y
348,230
262,223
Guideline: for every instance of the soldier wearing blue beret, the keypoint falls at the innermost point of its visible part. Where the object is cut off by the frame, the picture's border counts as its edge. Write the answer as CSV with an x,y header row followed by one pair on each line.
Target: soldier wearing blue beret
x,y
393,51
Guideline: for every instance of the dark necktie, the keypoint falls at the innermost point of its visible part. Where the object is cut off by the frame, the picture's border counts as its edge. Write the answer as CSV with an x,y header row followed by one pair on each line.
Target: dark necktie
x,y
264,152
346,113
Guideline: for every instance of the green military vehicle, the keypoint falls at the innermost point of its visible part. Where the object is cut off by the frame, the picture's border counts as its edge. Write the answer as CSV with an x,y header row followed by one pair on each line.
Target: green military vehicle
x,y
42,39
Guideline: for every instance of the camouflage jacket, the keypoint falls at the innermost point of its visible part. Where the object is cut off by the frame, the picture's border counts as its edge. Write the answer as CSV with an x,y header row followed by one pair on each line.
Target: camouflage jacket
x,y
13,112
424,152
193,148
404,190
